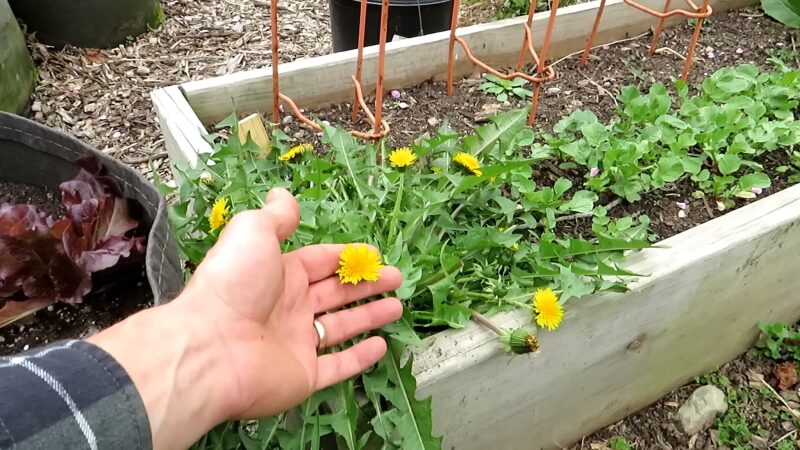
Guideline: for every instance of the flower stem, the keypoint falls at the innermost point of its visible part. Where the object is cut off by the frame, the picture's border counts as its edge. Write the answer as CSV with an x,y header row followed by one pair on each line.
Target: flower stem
x,y
483,320
393,224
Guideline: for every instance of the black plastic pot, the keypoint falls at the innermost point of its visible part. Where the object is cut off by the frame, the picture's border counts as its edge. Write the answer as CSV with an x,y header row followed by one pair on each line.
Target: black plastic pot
x,y
407,18
17,73
35,154
88,23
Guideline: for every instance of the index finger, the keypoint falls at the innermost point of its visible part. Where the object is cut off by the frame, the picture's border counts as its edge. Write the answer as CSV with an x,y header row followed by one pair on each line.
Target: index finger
x,y
320,261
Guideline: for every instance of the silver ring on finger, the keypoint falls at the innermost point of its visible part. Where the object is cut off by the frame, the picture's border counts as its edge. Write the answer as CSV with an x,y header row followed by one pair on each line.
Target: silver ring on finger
x,y
322,334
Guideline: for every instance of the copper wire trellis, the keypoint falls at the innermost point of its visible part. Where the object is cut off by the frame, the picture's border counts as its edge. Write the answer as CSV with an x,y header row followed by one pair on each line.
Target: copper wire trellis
x,y
543,73
700,13
379,126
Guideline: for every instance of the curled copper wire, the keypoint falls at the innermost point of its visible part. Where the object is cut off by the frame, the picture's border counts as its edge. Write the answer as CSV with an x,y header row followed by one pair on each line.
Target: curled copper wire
x,y
700,13
544,73
380,128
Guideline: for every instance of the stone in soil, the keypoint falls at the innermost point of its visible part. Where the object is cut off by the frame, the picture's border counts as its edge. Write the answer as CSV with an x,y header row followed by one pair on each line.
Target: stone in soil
x,y
702,407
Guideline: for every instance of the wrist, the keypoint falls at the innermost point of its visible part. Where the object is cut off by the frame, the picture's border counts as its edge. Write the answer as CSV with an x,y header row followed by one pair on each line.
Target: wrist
x,y
174,364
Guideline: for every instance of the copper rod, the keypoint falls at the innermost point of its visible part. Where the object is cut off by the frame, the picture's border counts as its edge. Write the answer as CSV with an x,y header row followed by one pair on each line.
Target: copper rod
x,y
381,64
540,66
548,34
659,28
362,26
551,74
273,16
590,39
676,12
385,130
452,57
522,55
690,52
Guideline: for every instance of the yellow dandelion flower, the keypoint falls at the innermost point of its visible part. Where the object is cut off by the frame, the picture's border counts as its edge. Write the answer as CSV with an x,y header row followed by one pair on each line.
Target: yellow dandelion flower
x,y
359,262
436,170
402,157
294,151
515,246
548,311
468,162
219,214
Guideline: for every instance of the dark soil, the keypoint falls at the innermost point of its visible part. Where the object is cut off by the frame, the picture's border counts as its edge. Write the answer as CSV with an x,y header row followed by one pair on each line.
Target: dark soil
x,y
658,426
26,194
117,293
424,108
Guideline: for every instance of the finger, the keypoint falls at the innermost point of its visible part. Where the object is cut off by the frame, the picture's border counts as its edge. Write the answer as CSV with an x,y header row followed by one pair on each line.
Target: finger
x,y
330,293
345,324
336,367
282,211
320,261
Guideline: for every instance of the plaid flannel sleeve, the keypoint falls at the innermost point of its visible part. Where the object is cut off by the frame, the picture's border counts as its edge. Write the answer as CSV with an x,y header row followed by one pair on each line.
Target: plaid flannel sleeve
x,y
72,395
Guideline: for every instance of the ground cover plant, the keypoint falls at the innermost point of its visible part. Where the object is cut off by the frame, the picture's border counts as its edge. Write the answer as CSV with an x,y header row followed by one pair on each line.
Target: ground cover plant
x,y
473,233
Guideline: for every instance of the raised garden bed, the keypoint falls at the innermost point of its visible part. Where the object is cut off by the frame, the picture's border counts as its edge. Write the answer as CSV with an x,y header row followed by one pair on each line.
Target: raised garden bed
x,y
615,353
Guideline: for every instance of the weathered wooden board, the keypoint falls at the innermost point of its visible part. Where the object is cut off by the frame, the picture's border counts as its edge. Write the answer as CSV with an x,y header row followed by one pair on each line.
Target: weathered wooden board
x,y
699,308
326,79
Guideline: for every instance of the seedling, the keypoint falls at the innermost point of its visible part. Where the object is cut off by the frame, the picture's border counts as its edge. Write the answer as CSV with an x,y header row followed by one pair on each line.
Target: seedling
x,y
503,89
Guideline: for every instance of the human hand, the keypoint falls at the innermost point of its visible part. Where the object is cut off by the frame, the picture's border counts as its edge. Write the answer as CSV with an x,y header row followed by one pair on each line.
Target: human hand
x,y
260,306
239,342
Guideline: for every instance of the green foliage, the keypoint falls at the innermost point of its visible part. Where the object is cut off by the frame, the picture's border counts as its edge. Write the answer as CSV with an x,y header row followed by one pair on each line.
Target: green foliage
x,y
734,426
619,443
786,12
779,341
467,243
713,138
464,243
514,8
503,89
786,444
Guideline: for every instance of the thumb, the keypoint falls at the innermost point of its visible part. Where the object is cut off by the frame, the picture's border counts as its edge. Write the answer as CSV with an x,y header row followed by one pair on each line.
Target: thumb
x,y
282,211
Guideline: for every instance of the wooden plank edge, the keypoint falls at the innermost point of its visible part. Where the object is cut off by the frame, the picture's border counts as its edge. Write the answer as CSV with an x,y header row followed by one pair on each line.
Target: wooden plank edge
x,y
329,75
183,133
617,353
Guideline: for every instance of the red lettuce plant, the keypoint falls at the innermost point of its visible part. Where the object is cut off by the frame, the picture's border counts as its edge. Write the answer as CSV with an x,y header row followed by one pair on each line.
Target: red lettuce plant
x,y
43,257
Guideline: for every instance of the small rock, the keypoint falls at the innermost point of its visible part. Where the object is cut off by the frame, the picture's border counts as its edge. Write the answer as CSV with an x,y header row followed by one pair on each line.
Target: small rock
x,y
287,120
433,121
26,347
153,41
300,134
2,339
89,107
37,106
577,103
50,308
702,407
116,135
553,90
682,214
759,442
739,51
142,70
403,105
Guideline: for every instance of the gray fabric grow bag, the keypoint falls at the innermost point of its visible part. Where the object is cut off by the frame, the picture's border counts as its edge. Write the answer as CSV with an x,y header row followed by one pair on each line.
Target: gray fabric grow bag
x,y
35,154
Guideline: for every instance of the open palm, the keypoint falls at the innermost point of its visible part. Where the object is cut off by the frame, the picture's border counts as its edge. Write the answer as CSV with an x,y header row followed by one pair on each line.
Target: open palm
x,y
261,304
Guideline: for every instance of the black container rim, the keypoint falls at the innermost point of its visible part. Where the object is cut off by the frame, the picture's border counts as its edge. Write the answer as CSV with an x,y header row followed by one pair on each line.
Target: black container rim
x,y
407,2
